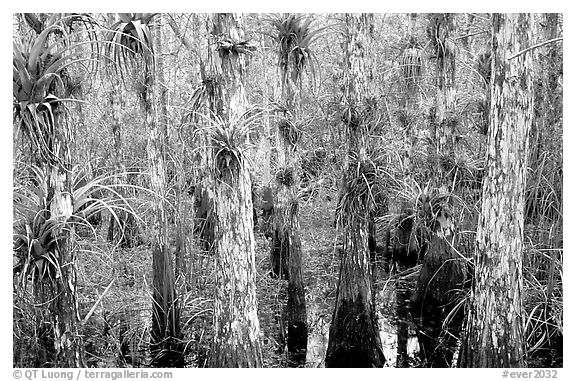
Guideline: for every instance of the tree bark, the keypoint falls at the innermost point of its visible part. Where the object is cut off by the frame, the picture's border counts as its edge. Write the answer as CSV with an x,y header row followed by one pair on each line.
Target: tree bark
x,y
237,331
287,137
442,34
404,252
286,251
61,297
236,327
296,307
495,332
165,347
123,228
408,104
442,273
69,347
354,340
437,294
53,269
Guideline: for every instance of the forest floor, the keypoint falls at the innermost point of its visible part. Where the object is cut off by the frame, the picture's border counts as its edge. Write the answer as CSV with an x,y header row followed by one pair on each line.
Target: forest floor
x,y
117,333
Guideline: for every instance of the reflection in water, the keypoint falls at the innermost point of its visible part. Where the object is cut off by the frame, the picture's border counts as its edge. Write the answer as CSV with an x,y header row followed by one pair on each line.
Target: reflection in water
x,y
320,326
389,339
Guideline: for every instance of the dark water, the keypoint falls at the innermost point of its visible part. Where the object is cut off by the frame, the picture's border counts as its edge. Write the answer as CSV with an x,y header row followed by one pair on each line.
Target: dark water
x,y
320,326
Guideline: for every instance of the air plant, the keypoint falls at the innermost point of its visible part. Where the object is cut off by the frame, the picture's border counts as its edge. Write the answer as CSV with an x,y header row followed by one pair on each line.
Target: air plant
x,y
289,131
37,235
94,196
434,210
36,247
351,117
66,20
430,210
467,172
41,78
285,176
294,35
228,138
131,37
206,91
40,63
226,46
358,196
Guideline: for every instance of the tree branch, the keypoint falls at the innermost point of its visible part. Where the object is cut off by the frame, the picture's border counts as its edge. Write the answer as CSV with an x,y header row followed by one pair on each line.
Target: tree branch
x,y
472,34
89,314
535,46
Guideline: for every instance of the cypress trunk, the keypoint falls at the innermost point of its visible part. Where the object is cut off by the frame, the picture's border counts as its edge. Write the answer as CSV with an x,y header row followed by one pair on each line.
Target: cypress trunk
x,y
495,331
68,344
437,294
237,331
123,229
296,307
166,347
442,274
286,251
354,340
236,327
404,252
441,31
57,292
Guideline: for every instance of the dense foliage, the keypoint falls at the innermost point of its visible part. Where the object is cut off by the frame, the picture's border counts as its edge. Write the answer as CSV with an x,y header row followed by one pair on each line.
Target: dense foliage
x,y
86,82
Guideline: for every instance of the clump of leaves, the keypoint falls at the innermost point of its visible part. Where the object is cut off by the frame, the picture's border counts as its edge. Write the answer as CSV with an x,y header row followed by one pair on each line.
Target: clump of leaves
x,y
289,131
36,247
351,117
227,45
434,210
468,172
207,89
285,176
40,80
131,37
365,113
228,137
358,196
36,235
294,35
430,210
